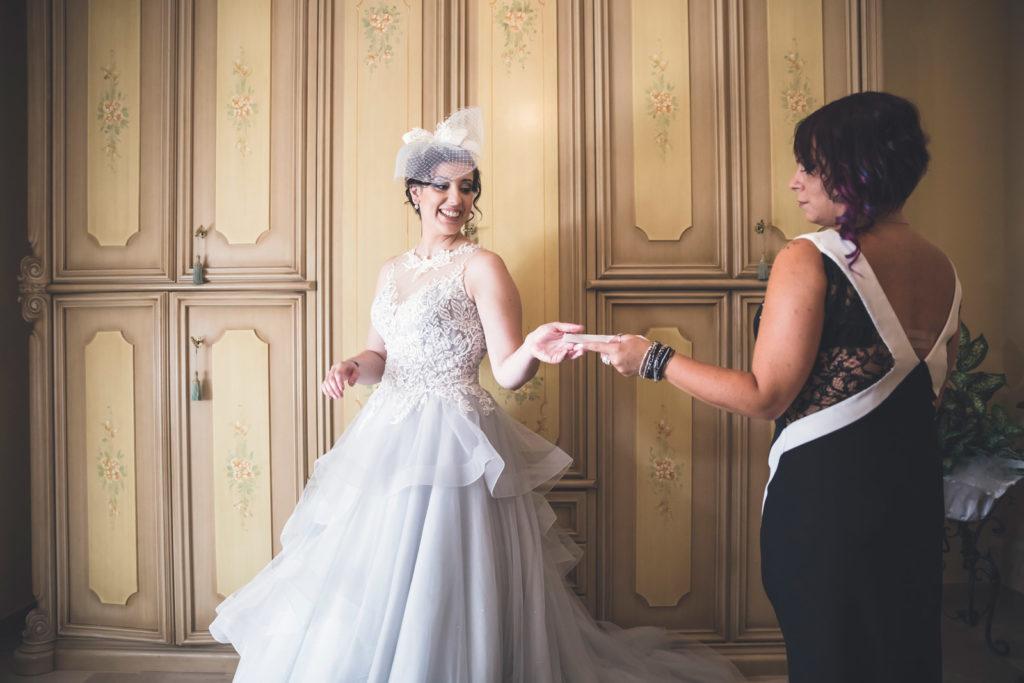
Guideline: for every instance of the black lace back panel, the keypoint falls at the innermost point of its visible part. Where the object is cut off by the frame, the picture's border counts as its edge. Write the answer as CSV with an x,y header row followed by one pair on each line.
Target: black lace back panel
x,y
851,355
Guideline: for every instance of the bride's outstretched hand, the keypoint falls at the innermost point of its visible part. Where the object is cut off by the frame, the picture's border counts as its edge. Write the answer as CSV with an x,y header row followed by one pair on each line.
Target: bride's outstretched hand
x,y
623,353
545,343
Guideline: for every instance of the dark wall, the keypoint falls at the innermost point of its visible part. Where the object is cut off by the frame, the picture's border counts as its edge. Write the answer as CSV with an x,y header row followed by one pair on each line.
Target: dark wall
x,y
15,565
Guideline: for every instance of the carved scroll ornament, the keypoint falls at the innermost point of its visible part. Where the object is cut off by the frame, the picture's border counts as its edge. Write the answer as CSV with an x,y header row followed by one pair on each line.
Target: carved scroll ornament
x,y
32,289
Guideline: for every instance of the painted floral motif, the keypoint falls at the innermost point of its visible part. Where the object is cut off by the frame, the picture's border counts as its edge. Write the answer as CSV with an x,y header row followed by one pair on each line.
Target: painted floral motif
x,y
531,391
242,472
242,107
666,472
518,21
528,393
662,104
112,113
378,25
796,99
111,468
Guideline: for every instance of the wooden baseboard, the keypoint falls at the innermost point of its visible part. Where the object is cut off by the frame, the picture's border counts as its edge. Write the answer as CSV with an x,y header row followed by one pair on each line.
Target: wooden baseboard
x,y
89,655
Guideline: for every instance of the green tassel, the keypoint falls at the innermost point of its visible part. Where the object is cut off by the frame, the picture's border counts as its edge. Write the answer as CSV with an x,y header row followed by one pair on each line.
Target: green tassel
x,y
197,273
197,388
762,268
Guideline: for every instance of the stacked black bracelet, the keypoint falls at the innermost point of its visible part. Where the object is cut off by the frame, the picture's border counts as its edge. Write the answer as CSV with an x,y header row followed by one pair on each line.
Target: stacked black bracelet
x,y
655,360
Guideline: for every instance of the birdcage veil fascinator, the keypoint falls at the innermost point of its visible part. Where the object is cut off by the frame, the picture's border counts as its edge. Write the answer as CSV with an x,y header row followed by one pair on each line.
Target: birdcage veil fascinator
x,y
452,150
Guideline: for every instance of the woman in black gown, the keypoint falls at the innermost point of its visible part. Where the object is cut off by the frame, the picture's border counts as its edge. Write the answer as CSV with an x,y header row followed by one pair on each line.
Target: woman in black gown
x,y
855,340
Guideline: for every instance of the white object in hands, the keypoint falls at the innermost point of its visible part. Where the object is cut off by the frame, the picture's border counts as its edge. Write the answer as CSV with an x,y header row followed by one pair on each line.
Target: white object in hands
x,y
584,338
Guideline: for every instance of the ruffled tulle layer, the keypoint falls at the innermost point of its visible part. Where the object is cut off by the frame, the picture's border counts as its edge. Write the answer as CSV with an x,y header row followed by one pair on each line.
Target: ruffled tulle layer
x,y
425,551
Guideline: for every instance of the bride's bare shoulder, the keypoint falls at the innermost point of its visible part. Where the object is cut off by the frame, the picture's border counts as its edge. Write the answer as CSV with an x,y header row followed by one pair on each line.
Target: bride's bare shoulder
x,y
484,261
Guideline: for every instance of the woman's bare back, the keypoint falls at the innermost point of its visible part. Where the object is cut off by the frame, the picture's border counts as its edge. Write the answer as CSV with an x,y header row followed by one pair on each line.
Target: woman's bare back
x,y
917,278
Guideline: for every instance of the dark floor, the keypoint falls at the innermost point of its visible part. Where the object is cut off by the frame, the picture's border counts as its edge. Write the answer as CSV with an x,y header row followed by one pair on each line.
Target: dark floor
x,y
966,657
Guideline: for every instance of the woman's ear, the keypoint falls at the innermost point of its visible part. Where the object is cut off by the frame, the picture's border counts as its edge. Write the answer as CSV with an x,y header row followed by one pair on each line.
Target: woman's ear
x,y
414,192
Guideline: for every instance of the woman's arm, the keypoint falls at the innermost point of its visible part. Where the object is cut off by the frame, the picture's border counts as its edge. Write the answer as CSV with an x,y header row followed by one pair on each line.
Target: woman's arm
x,y
367,366
513,360
787,343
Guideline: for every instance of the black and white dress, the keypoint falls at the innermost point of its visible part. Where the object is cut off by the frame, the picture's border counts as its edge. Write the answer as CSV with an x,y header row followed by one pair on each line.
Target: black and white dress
x,y
851,534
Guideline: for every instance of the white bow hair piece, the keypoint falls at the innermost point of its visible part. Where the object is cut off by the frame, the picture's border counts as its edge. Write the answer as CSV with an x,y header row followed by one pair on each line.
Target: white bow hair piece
x,y
451,132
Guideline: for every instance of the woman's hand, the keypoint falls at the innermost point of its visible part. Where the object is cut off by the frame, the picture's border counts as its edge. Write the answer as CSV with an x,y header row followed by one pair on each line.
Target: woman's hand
x,y
545,343
347,371
623,353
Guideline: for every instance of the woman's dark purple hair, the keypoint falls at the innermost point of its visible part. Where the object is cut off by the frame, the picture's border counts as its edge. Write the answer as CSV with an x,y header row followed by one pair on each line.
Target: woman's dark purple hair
x,y
869,151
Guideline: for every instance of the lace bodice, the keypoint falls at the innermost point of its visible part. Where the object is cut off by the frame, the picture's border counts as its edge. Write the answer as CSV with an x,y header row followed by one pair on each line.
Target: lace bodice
x,y
432,333
851,356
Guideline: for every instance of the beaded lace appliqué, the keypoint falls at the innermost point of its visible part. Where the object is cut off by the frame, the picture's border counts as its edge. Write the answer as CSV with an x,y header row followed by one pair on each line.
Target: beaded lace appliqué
x,y
434,338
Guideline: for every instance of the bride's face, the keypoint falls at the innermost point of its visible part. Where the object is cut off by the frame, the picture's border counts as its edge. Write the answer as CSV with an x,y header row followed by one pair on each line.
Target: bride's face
x,y
447,202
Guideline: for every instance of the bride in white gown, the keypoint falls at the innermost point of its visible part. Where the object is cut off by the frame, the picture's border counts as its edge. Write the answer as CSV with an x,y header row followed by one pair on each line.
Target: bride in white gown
x,y
422,549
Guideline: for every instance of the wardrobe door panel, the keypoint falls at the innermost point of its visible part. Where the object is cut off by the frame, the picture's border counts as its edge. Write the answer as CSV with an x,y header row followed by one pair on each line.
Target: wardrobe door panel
x,y
239,456
113,93
664,476
793,57
662,136
113,567
244,147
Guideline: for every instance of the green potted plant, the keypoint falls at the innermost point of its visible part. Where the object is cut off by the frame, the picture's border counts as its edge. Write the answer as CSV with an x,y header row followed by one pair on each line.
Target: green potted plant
x,y
981,456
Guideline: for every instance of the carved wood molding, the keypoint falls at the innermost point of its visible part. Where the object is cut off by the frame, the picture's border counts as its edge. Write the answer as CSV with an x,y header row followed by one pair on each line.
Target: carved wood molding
x,y
35,655
32,293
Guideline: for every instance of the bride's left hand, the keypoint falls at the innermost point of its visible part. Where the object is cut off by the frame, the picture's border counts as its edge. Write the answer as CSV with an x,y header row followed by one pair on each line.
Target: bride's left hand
x,y
545,343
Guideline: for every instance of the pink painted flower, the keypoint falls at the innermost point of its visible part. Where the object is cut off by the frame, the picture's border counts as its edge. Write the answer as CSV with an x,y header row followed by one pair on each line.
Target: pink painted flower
x,y
112,111
111,469
241,469
662,101
515,20
241,106
380,21
664,470
796,101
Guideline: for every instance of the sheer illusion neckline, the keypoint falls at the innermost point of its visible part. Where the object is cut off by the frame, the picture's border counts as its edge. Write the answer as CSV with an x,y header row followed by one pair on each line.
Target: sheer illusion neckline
x,y
411,275
440,259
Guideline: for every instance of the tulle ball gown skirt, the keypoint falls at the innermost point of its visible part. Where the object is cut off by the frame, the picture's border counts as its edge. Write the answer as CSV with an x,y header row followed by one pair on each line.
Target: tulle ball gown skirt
x,y
423,550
